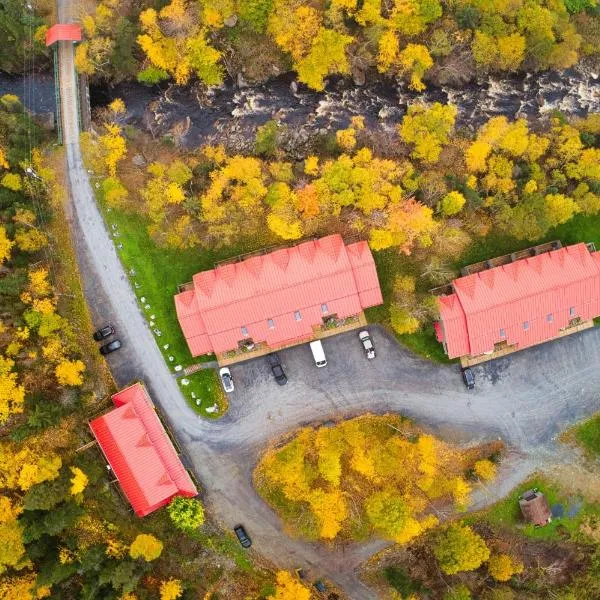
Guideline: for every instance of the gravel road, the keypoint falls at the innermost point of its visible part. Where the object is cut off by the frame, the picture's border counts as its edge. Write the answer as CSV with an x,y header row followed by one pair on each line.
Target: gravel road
x,y
525,399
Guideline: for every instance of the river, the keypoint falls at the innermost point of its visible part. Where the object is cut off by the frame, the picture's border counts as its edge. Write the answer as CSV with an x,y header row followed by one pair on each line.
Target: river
x,y
231,113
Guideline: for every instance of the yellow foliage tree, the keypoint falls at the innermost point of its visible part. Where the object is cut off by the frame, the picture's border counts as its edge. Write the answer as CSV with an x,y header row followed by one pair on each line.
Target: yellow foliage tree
x,y
371,464
452,203
415,61
171,589
485,469
70,372
389,46
459,548
30,240
12,550
12,395
113,147
79,481
145,546
5,245
12,181
503,566
428,129
289,588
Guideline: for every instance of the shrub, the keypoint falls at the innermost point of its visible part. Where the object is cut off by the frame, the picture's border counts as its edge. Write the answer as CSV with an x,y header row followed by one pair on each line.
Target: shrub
x,y
187,514
459,548
146,546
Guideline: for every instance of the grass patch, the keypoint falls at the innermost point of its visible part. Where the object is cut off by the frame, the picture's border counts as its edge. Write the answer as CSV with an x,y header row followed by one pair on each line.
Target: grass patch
x,y
401,582
158,272
389,264
588,435
205,391
507,513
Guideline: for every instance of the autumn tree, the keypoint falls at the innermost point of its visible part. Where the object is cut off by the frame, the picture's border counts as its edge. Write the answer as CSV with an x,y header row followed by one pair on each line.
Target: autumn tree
x,y
12,398
5,245
485,469
232,202
70,372
145,546
112,147
393,518
415,61
176,45
171,589
427,129
503,566
452,203
186,514
459,548
78,482
362,466
287,587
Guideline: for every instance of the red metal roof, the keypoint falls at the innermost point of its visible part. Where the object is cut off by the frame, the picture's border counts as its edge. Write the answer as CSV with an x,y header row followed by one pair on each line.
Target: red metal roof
x,y
525,302
68,32
140,453
278,297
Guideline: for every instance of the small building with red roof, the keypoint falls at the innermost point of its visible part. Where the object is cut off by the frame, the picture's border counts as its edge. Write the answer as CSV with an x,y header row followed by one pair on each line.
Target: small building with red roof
x,y
278,299
529,300
140,453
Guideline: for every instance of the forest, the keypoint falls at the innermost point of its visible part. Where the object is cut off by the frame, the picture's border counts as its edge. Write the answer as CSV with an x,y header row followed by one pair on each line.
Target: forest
x,y
428,195
425,197
65,531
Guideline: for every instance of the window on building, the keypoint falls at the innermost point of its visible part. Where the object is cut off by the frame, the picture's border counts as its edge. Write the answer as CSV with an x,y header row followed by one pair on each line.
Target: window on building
x,y
297,315
244,330
271,323
572,311
526,325
502,332
549,317
324,308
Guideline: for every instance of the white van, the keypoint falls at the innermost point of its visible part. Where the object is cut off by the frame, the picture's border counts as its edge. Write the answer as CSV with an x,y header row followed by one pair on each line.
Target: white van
x,y
318,353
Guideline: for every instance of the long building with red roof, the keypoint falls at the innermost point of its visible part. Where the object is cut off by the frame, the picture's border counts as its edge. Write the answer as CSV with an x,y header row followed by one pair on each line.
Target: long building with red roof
x,y
520,304
140,453
277,298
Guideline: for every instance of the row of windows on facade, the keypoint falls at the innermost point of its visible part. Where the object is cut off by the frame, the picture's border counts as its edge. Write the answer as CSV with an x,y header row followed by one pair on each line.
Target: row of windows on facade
x,y
549,319
297,316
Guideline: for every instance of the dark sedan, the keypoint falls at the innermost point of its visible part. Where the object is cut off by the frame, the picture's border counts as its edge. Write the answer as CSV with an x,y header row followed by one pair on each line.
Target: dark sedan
x,y
276,368
104,332
242,536
110,347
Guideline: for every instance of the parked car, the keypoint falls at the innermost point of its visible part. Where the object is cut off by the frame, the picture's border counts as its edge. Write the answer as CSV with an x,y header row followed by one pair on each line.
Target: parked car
x,y
468,378
242,536
318,353
104,332
367,343
320,586
110,347
226,379
275,364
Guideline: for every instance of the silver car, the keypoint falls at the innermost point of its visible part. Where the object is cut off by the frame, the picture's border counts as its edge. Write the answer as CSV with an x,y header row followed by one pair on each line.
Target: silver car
x,y
226,379
367,343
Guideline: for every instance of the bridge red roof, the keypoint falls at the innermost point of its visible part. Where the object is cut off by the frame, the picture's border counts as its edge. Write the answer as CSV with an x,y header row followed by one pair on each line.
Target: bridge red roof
x,y
140,453
525,302
68,32
278,297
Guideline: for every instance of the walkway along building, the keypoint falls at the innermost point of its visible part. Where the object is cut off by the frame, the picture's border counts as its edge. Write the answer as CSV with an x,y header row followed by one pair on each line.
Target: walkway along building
x,y
140,453
524,301
292,295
